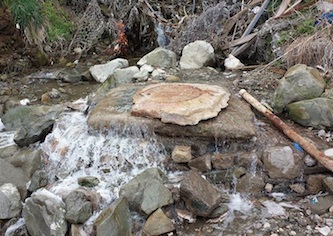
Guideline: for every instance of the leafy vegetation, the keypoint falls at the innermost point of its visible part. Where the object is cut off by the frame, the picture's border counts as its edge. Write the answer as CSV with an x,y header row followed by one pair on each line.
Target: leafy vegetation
x,y
26,13
59,24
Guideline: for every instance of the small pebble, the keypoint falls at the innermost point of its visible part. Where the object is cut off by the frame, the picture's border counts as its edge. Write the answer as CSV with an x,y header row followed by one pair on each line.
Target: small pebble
x,y
293,233
321,133
269,187
267,225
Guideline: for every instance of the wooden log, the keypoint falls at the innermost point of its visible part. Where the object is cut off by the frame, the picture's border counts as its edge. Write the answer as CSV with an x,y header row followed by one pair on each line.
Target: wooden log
x,y
277,122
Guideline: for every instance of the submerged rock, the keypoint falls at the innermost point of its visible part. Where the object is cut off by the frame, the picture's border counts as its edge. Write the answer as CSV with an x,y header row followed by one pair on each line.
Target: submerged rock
x,y
159,57
114,220
180,103
196,55
200,196
317,112
44,214
301,82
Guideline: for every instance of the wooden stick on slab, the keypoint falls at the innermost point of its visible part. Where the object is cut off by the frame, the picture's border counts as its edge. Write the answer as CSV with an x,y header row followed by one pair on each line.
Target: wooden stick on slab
x,y
307,146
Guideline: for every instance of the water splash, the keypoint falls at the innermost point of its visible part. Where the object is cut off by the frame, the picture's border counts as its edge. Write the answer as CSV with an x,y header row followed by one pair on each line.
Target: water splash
x,y
114,156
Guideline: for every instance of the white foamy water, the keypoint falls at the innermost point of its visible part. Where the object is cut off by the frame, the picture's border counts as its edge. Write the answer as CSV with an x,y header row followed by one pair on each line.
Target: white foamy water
x,y
116,156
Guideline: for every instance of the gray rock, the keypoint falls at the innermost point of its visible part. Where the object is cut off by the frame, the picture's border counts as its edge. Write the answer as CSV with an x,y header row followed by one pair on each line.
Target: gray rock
x,y
196,55
299,83
14,227
314,183
10,201
146,191
328,93
114,220
32,123
322,205
159,57
141,76
317,112
38,180
101,72
200,196
281,162
88,181
44,214
78,207
158,223
125,76
250,184
155,195
70,75
202,163
29,160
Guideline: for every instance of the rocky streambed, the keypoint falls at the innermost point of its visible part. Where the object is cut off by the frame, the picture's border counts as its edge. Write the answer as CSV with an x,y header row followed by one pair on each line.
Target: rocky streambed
x,y
89,167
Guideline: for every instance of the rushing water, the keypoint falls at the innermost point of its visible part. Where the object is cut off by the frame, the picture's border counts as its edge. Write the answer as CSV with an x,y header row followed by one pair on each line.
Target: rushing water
x,y
113,156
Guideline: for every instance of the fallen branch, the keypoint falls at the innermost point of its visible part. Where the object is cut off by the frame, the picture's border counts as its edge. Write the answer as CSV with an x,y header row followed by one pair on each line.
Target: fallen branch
x,y
307,146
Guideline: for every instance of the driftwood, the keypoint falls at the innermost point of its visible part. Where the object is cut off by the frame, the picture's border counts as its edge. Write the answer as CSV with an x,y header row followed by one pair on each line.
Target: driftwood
x,y
307,146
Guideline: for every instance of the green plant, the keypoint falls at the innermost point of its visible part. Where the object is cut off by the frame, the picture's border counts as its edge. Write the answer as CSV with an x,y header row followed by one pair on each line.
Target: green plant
x,y
58,23
305,28
26,13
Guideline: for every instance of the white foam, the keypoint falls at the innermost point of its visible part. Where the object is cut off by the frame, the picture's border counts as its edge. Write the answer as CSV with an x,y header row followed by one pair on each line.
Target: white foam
x,y
114,157
11,229
239,203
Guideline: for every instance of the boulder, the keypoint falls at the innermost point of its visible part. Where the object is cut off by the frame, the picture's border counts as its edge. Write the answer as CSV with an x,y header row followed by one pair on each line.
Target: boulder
x,y
114,220
125,75
10,202
157,224
281,162
102,71
31,123
141,76
301,82
146,191
196,55
44,214
200,196
159,57
78,207
202,163
180,103
317,112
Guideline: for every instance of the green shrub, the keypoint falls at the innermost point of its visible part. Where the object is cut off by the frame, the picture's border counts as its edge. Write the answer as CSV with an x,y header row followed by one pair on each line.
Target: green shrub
x,y
25,12
59,24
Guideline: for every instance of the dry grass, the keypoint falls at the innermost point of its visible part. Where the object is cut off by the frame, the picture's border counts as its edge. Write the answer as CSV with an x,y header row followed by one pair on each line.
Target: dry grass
x,y
313,50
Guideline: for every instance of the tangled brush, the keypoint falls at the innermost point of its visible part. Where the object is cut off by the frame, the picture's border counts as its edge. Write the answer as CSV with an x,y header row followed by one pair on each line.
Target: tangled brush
x,y
314,50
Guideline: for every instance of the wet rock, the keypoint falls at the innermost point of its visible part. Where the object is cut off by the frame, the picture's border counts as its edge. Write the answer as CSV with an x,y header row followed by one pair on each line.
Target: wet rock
x,y
299,83
180,103
54,93
14,227
281,162
200,196
223,161
158,223
196,55
159,57
69,75
44,214
125,75
317,112
250,184
314,183
77,230
234,123
38,180
45,98
146,191
328,184
101,72
181,154
201,164
322,205
297,188
78,207
32,123
88,181
10,201
114,220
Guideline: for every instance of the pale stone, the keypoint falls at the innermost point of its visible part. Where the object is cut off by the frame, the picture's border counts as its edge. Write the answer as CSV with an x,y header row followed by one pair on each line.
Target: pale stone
x,y
180,103
102,71
329,152
196,55
181,154
269,187
158,223
10,201
159,57
148,68
232,62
